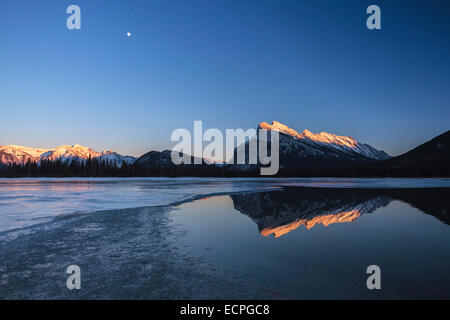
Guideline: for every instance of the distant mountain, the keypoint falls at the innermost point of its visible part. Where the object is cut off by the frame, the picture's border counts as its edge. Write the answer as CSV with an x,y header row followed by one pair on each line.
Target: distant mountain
x,y
302,154
156,163
70,153
298,151
307,150
429,159
323,143
157,158
434,153
113,157
20,155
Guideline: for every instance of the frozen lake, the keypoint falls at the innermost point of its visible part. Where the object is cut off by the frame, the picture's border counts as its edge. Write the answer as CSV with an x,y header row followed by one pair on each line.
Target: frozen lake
x,y
224,238
24,202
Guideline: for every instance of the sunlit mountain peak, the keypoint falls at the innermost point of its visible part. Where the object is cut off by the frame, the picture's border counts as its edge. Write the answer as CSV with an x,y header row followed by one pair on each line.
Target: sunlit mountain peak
x,y
66,153
279,127
342,143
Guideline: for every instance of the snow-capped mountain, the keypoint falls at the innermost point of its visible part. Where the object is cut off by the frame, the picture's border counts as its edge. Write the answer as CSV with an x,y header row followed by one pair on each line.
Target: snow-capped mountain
x,y
315,142
20,155
308,151
113,157
67,153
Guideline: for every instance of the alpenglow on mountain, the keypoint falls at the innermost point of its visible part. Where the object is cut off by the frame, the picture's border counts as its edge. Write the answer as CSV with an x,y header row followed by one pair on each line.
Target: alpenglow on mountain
x,y
66,153
310,151
321,143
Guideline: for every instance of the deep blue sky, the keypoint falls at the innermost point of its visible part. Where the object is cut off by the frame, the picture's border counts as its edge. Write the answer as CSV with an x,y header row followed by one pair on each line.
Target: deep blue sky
x,y
231,63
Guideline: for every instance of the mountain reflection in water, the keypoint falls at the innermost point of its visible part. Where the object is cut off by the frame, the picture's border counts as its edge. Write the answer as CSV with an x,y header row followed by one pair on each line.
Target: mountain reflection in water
x,y
278,212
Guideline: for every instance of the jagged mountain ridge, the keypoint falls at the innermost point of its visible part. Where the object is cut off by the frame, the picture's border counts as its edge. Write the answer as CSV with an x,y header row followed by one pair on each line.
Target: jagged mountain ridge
x,y
307,150
317,141
297,150
20,155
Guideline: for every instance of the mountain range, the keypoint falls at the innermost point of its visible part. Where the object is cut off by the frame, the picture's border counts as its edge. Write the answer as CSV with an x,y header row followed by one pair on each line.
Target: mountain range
x,y
322,144
66,153
325,154
301,154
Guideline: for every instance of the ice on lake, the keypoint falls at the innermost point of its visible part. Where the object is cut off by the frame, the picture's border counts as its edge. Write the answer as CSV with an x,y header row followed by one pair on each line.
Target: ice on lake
x,y
24,202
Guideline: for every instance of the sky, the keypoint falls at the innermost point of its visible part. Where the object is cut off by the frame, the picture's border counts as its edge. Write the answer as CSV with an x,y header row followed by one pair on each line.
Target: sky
x,y
230,63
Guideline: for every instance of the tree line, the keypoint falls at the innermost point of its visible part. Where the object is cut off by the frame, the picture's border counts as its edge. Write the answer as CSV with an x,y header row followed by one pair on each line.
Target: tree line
x,y
103,168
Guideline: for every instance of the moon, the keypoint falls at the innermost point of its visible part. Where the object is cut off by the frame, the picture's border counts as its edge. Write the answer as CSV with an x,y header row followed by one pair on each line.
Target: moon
x,y
129,34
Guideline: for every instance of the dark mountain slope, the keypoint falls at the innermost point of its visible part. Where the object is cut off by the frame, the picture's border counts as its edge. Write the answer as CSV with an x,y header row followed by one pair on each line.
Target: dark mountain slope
x,y
159,164
429,159
436,152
